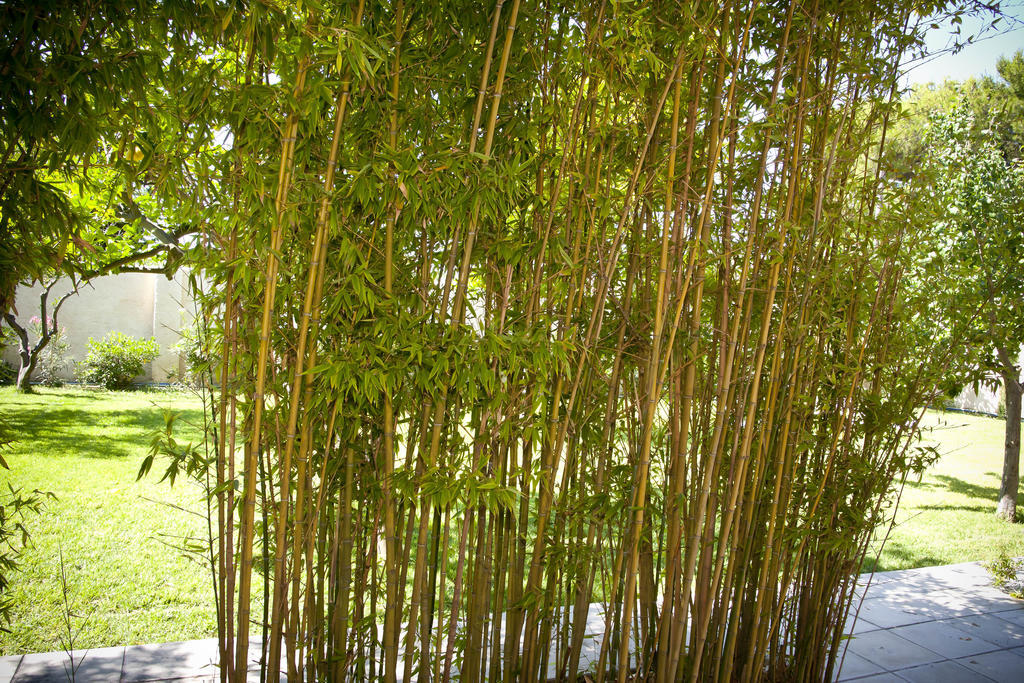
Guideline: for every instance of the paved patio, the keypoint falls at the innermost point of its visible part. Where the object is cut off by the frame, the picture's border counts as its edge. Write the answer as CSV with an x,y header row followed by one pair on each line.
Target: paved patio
x,y
931,625
936,624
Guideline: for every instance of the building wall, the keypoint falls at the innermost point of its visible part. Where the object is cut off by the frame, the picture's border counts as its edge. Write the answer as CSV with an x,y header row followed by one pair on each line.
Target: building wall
x,y
149,305
985,400
985,397
138,304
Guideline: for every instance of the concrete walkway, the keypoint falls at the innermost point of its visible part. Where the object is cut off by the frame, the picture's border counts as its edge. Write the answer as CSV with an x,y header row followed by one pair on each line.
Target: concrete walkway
x,y
931,625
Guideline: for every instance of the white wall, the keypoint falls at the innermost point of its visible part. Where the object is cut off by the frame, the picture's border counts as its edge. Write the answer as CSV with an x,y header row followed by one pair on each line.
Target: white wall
x,y
139,304
988,396
985,400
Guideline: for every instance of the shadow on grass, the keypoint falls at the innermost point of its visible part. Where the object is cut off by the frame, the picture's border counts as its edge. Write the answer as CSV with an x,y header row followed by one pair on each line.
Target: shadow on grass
x,y
65,395
990,509
966,488
897,556
955,485
58,431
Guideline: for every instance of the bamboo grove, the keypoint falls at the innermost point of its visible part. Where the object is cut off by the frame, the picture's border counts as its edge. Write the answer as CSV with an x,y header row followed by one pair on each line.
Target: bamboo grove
x,y
527,312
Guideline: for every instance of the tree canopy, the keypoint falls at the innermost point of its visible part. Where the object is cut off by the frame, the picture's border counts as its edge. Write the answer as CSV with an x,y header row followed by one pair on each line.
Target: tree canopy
x,y
962,149
81,89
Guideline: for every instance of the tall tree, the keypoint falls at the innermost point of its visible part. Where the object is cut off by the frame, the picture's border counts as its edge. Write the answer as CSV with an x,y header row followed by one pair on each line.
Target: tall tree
x,y
90,113
86,90
80,84
972,154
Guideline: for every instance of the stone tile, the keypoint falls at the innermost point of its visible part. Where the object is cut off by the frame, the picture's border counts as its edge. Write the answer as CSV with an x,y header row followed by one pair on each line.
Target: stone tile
x,y
880,612
968,575
892,592
8,665
992,591
883,577
254,677
256,654
907,583
991,600
42,666
861,625
899,586
596,618
943,605
972,568
1002,666
944,639
187,659
989,627
1015,616
958,575
890,651
101,665
590,653
940,672
855,666
933,604
882,678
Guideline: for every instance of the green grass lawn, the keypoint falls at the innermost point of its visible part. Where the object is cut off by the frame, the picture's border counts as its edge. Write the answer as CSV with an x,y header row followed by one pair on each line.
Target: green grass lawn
x,y
125,584
948,515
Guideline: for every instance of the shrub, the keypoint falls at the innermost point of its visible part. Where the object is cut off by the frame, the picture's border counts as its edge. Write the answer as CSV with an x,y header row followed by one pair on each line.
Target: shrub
x,y
8,373
53,360
1007,574
117,359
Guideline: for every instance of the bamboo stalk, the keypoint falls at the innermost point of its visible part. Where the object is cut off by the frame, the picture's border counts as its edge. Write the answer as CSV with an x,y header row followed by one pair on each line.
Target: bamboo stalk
x,y
608,320
270,288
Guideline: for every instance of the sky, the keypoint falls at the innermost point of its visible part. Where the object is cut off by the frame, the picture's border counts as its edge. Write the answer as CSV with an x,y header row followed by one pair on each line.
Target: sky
x,y
977,58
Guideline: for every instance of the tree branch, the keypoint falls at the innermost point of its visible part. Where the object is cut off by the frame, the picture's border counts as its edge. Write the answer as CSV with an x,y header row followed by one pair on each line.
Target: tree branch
x,y
144,269
22,333
60,302
124,261
1009,371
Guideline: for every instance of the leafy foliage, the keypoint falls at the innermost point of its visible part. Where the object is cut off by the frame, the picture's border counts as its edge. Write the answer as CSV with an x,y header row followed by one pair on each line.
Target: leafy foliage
x,y
81,133
116,360
78,85
961,153
984,193
14,506
1006,572
53,360
193,348
602,291
185,458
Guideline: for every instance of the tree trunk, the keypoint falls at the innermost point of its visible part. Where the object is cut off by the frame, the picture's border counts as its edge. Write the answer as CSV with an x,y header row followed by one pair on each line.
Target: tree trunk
x,y
28,366
29,356
1008,487
30,359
